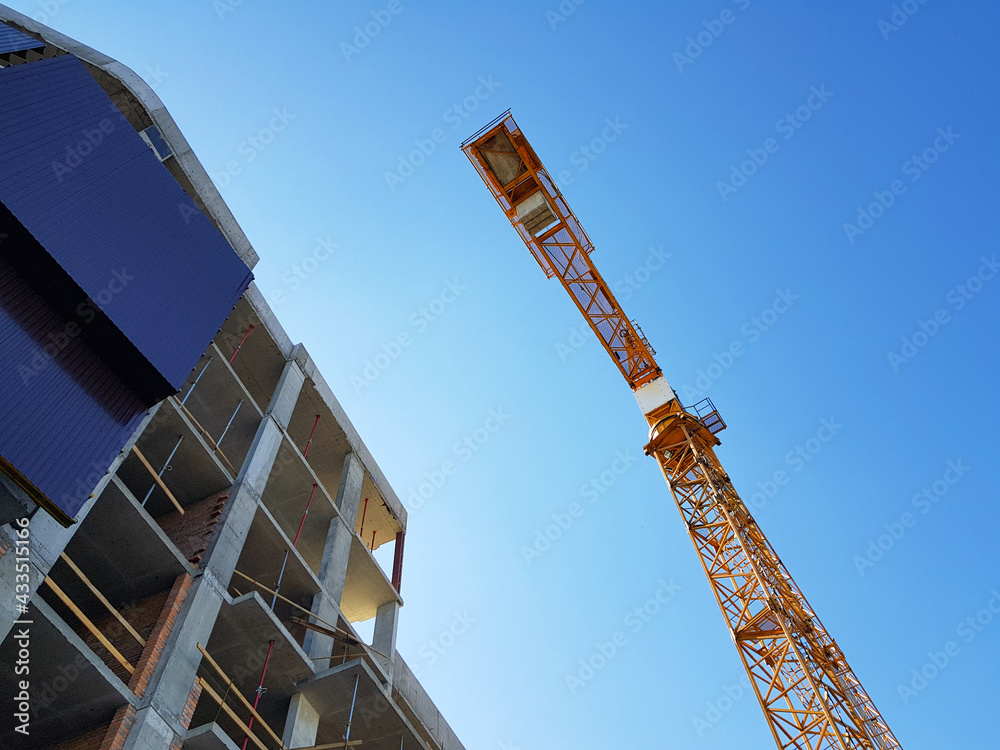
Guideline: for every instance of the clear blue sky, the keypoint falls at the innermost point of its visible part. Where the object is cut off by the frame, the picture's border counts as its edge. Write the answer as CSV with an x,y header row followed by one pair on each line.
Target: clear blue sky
x,y
728,258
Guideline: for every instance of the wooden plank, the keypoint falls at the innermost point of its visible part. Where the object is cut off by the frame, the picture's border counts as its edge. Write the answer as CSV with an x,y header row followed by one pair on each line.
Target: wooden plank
x,y
157,479
110,607
205,434
237,693
338,633
232,715
90,626
332,745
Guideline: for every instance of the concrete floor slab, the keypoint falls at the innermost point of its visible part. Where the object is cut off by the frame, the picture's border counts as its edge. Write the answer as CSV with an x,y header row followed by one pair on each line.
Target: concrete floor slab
x,y
260,361
286,496
377,722
122,551
215,399
71,689
366,587
261,559
239,645
195,475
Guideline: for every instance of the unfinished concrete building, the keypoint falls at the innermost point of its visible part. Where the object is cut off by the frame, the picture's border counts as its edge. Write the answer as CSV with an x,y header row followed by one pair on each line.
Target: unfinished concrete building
x,y
204,592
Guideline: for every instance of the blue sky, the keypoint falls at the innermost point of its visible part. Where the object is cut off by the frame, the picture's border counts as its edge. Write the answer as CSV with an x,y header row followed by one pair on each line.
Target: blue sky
x,y
717,202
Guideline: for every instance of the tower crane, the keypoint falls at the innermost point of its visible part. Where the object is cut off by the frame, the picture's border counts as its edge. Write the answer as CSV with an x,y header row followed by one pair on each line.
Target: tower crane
x,y
811,698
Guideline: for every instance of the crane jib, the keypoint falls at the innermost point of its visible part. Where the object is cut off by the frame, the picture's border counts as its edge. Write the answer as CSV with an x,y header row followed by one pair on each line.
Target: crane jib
x,y
810,696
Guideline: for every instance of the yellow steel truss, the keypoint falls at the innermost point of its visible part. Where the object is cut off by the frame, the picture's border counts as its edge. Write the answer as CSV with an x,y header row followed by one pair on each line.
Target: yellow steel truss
x,y
810,696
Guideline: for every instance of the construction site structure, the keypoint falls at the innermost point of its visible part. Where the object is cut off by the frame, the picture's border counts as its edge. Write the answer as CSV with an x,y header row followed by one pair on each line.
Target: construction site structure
x,y
810,696
205,592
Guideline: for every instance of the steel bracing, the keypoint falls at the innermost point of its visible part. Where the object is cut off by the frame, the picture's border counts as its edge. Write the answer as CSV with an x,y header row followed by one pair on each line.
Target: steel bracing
x,y
811,698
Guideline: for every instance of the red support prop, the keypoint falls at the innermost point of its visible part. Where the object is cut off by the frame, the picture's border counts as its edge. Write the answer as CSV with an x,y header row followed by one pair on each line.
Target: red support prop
x,y
304,514
363,514
260,690
241,345
372,548
397,561
306,451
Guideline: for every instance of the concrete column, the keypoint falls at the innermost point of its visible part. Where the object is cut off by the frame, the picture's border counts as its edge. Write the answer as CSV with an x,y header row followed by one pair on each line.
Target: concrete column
x,y
301,724
48,538
384,638
158,718
286,395
336,555
349,493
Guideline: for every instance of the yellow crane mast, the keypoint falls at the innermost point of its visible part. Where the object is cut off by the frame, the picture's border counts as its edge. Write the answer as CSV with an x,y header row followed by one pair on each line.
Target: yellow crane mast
x,y
811,698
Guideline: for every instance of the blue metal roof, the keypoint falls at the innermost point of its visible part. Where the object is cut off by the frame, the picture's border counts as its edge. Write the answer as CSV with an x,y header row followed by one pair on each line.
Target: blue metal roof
x,y
12,40
81,180
112,282
64,413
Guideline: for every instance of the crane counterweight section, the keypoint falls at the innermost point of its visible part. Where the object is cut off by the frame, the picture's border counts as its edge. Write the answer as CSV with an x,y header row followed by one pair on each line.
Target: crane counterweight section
x,y
811,698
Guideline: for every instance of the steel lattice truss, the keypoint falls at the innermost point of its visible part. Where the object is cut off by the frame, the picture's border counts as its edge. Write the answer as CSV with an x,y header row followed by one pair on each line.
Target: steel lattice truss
x,y
809,694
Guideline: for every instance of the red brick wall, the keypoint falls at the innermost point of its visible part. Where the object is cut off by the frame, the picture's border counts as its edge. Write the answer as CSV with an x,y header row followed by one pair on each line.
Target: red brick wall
x,y
158,635
192,531
115,737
